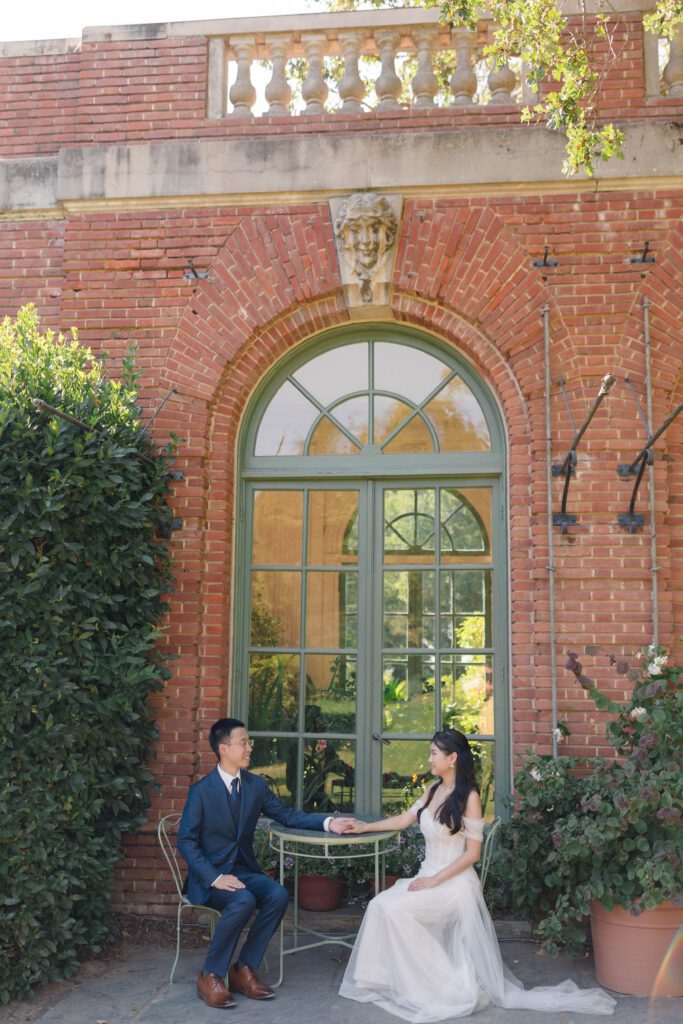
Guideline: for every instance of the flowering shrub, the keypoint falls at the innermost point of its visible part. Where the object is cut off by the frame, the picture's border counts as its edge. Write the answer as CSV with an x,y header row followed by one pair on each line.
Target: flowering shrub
x,y
613,835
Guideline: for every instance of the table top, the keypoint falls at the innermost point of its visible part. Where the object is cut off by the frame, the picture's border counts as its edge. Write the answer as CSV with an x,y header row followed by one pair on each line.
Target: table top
x,y
313,837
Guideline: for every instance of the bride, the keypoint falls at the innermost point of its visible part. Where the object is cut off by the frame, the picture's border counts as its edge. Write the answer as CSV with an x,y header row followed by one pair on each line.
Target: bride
x,y
427,949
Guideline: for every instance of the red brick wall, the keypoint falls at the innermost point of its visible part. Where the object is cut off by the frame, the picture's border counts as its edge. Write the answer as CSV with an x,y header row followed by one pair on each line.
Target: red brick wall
x,y
463,271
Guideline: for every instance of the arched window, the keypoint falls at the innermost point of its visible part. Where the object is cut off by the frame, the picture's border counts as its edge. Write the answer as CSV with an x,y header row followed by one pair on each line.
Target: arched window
x,y
371,593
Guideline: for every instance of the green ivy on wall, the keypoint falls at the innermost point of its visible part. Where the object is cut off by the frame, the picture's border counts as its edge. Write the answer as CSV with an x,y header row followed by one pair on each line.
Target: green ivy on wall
x,y
83,573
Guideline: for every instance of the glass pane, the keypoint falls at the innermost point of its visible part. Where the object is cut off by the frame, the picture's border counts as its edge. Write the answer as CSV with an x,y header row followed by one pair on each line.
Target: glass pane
x,y
409,532
354,415
414,437
466,524
405,774
285,424
409,608
483,752
331,609
274,692
275,609
275,761
329,440
329,775
408,688
389,412
330,693
407,371
341,371
332,527
458,419
278,520
467,693
466,619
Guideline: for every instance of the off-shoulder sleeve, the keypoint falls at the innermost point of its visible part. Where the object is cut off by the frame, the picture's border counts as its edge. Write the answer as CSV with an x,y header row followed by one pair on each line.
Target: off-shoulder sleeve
x,y
473,828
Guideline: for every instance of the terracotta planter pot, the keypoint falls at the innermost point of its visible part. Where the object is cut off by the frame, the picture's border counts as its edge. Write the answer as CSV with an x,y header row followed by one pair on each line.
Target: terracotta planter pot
x,y
631,952
389,880
318,892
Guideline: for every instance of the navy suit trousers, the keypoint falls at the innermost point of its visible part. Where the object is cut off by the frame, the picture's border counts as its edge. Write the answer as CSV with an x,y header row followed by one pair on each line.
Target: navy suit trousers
x,y
269,898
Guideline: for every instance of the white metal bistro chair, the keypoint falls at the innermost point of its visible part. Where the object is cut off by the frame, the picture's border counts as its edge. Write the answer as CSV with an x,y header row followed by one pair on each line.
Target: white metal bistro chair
x,y
166,832
487,852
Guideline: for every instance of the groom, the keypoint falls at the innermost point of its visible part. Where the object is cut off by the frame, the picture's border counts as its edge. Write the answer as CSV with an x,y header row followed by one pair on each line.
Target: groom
x,y
215,838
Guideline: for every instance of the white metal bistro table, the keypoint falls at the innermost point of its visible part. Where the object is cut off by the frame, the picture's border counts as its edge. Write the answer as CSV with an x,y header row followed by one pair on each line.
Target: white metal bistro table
x,y
302,844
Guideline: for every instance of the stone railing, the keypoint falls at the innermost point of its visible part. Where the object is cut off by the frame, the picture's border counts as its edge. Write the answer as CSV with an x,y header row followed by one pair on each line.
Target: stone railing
x,y
384,60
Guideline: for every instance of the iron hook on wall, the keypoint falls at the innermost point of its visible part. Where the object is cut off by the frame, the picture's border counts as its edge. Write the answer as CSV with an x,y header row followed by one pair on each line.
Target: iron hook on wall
x,y
631,520
565,519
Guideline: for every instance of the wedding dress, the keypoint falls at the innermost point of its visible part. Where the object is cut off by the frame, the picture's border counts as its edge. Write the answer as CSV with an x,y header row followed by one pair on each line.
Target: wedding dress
x,y
432,955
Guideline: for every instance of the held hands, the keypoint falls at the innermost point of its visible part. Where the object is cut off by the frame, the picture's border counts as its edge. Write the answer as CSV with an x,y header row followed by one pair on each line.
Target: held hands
x,y
357,828
422,883
343,825
230,883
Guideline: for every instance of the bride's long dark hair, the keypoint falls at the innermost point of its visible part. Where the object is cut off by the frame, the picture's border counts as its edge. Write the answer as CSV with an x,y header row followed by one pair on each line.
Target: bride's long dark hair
x,y
450,741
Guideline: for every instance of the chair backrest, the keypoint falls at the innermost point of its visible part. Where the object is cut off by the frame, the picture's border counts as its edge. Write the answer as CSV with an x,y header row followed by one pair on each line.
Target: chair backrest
x,y
487,852
166,832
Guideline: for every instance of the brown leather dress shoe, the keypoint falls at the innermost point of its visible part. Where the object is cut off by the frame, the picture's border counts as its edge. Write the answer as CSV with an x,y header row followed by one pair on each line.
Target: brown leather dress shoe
x,y
242,979
212,990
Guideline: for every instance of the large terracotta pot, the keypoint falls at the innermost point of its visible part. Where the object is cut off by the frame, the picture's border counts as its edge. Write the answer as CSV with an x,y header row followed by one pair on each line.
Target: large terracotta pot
x,y
638,955
318,892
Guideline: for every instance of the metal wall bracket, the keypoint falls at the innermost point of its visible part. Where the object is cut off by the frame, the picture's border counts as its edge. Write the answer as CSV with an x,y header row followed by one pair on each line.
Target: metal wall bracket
x,y
630,520
192,271
545,262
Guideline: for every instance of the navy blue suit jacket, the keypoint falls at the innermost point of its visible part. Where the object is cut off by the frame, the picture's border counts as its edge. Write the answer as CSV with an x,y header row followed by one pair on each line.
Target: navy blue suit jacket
x,y
212,842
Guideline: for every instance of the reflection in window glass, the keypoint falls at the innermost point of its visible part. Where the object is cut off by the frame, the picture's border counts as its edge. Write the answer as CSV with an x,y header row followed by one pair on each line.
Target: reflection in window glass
x,y
354,415
414,437
405,774
330,693
409,523
466,524
465,606
329,775
332,527
458,419
483,753
275,761
328,439
467,693
341,371
407,371
278,519
408,693
332,611
273,692
275,609
389,413
286,423
409,609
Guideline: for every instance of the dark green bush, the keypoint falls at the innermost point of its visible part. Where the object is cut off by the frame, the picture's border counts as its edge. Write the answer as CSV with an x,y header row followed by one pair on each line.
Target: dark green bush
x,y
82,579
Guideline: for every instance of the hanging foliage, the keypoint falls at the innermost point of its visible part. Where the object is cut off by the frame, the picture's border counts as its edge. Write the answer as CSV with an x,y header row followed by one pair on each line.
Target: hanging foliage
x,y
82,580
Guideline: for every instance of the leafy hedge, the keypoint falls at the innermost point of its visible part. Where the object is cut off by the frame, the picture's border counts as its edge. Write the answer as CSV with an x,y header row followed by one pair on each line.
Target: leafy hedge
x,y
82,579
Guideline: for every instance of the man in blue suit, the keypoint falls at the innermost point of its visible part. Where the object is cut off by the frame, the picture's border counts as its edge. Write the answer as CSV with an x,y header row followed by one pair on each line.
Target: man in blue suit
x,y
216,840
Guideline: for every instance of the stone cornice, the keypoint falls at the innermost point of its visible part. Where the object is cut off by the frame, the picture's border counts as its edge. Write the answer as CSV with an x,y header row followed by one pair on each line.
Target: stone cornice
x,y
293,168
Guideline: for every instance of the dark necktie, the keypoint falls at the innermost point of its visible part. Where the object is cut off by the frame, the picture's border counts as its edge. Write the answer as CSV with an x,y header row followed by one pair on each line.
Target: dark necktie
x,y
234,798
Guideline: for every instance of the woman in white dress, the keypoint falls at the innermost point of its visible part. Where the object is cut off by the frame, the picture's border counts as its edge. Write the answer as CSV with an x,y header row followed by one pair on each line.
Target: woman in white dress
x,y
427,949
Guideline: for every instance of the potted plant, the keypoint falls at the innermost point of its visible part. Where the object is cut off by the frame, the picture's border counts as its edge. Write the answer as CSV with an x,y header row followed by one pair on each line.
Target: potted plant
x,y
320,883
606,844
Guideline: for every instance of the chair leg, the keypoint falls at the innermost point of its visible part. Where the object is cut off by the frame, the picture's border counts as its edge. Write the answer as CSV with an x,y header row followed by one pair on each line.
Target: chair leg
x,y
177,941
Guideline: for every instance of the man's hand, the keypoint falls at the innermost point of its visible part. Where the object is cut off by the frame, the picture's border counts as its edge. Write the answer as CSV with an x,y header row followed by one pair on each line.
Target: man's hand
x,y
422,883
229,883
342,825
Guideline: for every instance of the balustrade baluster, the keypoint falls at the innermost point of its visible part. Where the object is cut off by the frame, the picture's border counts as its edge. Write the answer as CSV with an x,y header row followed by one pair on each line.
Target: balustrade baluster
x,y
278,92
351,87
501,81
388,85
425,84
314,89
463,80
673,72
243,93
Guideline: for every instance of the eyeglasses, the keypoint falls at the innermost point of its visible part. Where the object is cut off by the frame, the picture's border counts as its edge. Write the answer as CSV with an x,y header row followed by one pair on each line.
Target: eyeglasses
x,y
240,743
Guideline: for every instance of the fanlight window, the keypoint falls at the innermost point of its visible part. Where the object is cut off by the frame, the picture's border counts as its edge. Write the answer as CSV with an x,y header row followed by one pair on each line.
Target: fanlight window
x,y
373,397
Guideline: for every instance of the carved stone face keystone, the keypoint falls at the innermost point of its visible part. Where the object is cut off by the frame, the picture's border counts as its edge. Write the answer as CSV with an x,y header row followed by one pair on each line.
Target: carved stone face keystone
x,y
366,228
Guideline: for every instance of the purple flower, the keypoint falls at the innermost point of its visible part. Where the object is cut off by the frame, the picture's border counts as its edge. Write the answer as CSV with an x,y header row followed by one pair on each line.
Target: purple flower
x,y
668,813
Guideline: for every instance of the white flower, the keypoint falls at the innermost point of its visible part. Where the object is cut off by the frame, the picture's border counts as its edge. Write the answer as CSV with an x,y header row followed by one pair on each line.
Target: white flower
x,y
558,734
652,649
535,775
637,714
657,664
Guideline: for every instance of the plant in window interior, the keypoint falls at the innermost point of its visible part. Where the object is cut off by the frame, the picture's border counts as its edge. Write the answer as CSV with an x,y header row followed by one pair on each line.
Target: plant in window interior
x,y
588,844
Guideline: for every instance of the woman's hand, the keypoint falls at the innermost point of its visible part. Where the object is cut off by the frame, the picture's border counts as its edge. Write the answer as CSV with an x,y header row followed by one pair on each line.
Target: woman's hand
x,y
356,829
422,883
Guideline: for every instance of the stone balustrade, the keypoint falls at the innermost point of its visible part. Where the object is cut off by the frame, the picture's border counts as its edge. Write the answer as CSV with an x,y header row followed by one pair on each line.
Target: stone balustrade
x,y
380,60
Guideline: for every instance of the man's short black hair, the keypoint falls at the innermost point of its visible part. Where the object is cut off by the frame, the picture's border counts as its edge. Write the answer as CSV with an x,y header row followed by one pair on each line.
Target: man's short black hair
x,y
220,731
